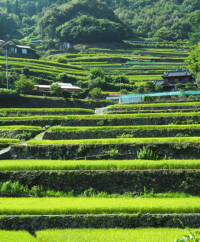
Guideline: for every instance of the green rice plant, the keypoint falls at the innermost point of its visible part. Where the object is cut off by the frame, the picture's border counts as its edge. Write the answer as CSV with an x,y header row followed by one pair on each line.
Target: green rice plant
x,y
49,117
48,110
146,154
20,127
111,235
10,165
153,105
63,128
42,206
115,141
9,141
138,115
16,236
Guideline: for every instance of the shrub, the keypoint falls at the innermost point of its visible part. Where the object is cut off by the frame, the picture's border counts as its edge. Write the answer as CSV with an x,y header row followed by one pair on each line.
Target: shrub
x,y
23,85
56,89
66,94
62,59
147,98
96,93
96,72
146,154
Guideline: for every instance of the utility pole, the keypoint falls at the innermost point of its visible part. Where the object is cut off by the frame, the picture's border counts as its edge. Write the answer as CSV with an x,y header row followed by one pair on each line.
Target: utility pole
x,y
120,101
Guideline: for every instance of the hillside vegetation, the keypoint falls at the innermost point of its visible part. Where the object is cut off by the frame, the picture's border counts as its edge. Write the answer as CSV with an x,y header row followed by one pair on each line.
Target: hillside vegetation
x,y
100,21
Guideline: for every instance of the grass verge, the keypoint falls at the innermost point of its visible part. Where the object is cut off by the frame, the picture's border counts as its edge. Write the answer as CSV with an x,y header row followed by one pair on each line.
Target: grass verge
x,y
97,164
42,206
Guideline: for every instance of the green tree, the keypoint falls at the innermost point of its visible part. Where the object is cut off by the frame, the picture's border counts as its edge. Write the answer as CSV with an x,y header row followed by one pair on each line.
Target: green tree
x,y
2,77
66,94
3,31
178,85
194,20
96,72
158,88
16,9
149,87
8,6
189,86
56,89
23,85
96,93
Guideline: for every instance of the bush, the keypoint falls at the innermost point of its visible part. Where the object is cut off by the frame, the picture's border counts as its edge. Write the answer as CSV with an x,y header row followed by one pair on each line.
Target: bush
x,y
178,85
147,98
56,89
23,85
62,59
96,72
25,71
66,94
96,93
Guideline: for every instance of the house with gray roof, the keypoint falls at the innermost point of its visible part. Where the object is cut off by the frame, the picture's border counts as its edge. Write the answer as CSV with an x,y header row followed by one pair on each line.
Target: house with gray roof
x,y
170,78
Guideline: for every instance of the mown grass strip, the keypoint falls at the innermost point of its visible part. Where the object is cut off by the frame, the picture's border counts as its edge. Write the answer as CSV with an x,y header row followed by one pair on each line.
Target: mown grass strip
x,y
153,105
16,236
112,235
114,141
98,164
47,110
42,206
137,115
9,141
63,128
20,127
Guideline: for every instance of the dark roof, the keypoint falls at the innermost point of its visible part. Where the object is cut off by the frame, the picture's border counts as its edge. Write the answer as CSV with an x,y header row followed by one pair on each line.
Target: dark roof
x,y
176,73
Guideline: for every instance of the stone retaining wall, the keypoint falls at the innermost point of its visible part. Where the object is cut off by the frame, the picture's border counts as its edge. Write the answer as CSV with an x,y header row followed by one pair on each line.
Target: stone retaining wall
x,y
101,151
39,222
131,121
137,133
110,181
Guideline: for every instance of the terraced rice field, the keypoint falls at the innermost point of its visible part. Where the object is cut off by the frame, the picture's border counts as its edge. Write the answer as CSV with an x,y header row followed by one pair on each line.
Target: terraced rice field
x,y
86,185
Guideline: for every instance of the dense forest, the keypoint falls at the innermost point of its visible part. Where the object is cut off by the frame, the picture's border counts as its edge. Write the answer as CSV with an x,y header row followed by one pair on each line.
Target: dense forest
x,y
81,21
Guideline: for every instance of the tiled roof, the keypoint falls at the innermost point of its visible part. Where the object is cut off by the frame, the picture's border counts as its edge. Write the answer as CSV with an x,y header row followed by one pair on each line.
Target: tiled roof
x,y
176,73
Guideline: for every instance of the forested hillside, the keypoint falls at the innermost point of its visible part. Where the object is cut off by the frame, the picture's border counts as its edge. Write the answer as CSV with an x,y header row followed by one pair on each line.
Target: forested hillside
x,y
100,21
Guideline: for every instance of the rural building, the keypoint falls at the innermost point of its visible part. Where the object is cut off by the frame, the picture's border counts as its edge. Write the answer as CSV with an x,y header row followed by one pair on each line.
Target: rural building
x,y
64,86
170,78
17,49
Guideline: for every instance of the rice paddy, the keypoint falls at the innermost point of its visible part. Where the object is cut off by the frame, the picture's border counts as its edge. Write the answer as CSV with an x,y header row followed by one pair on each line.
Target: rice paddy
x,y
114,141
63,128
138,115
112,235
20,127
154,105
42,206
10,165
